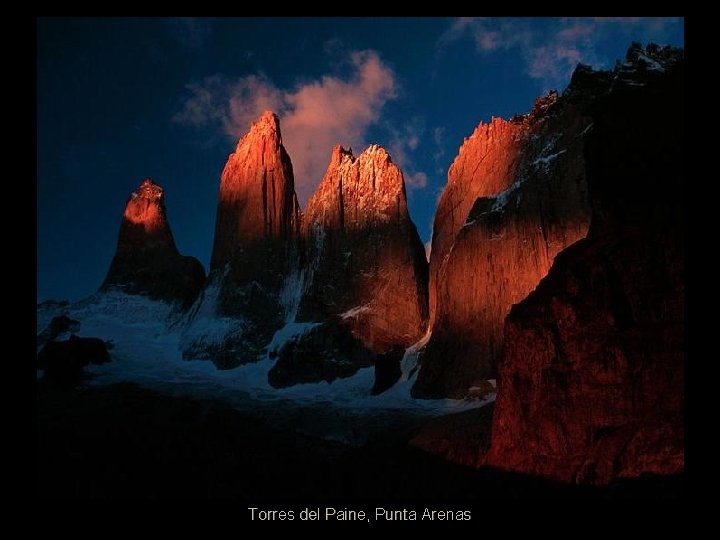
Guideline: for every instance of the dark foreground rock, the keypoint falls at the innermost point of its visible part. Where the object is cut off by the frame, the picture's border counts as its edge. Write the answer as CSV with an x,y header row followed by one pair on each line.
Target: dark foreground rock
x,y
327,352
124,442
58,325
63,361
387,369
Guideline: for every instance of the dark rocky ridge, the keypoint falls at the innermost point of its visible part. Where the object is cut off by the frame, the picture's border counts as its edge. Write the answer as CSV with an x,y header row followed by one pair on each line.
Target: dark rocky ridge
x,y
591,387
325,353
121,441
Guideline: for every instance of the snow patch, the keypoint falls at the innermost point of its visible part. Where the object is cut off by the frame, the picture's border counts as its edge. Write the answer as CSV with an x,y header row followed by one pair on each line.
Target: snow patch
x,y
203,328
289,332
650,64
292,292
545,161
409,362
590,126
354,312
147,352
128,308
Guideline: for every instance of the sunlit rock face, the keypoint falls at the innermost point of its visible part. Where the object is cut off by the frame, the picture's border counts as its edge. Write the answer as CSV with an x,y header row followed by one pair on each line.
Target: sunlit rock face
x,y
255,248
257,202
516,196
364,259
146,260
484,167
591,387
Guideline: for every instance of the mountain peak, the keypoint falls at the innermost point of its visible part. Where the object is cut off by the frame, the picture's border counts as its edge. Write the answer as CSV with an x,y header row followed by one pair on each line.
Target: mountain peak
x,y
339,154
146,207
376,153
146,260
149,190
267,125
363,241
357,192
376,149
653,57
257,192
641,65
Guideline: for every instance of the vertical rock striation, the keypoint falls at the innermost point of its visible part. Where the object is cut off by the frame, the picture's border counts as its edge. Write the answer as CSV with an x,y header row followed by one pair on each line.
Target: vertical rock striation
x,y
366,261
257,227
516,196
257,201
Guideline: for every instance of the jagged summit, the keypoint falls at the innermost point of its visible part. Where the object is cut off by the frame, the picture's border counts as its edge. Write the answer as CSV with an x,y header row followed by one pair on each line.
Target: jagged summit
x,y
267,125
641,65
358,192
374,152
653,57
339,154
148,189
366,256
146,207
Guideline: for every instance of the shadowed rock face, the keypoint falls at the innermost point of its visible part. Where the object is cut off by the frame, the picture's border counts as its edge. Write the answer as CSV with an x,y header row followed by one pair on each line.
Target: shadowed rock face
x,y
63,361
255,248
591,385
325,353
146,260
516,196
365,260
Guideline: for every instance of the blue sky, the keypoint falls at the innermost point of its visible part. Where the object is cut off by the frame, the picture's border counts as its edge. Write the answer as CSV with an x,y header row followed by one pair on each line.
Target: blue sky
x,y
119,100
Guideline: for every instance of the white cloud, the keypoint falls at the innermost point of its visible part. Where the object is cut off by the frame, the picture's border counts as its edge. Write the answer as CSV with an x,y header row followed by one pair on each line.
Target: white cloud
x,y
551,48
416,180
314,116
403,143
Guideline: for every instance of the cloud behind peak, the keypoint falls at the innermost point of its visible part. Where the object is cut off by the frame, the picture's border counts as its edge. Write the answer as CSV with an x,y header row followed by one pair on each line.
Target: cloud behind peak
x,y
315,115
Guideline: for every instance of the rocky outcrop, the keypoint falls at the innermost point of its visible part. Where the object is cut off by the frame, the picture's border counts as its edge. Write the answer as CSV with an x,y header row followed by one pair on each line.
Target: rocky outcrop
x,y
591,387
63,361
59,325
365,260
326,352
255,249
146,260
387,369
516,196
